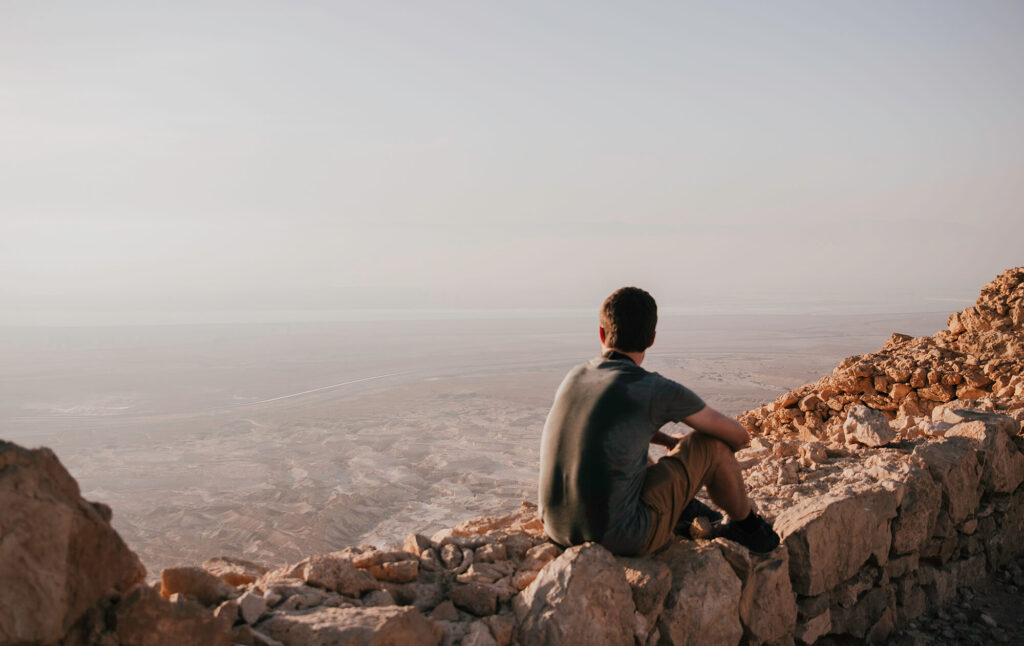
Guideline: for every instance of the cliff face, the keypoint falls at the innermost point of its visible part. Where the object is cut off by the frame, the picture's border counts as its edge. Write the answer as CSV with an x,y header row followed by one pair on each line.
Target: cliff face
x,y
893,481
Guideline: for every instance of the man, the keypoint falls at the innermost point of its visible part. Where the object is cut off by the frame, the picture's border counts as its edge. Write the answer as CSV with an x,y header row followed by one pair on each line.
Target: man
x,y
595,482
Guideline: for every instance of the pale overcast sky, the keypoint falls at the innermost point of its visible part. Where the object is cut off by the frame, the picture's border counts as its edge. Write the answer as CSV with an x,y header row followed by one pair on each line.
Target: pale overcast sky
x,y
323,155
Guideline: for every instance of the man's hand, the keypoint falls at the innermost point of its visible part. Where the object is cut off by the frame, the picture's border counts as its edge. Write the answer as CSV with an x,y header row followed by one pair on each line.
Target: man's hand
x,y
664,439
710,422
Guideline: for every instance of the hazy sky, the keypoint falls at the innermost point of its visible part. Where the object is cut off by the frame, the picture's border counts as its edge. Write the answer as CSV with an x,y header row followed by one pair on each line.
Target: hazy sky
x,y
248,155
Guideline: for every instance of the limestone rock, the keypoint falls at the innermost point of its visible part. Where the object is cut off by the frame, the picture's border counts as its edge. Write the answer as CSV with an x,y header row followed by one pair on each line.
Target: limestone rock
x,y
524,519
479,635
251,606
490,553
868,426
534,560
650,581
702,606
58,553
377,598
1002,465
502,627
872,613
353,627
196,583
582,597
424,596
831,537
453,632
937,392
445,611
337,573
396,571
954,464
144,618
234,571
451,556
227,612
481,599
813,618
487,572
416,543
917,512
767,603
1007,543
539,556
294,593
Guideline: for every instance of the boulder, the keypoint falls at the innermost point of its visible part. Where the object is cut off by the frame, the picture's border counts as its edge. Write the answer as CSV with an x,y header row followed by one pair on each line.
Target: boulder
x,y
954,465
921,502
196,583
424,596
868,426
938,584
813,618
702,606
293,593
767,603
336,573
872,616
650,581
937,392
234,571
445,611
533,561
251,607
1002,465
144,618
831,537
352,627
1007,543
525,519
59,556
481,599
396,571
582,597
479,635
502,627
416,543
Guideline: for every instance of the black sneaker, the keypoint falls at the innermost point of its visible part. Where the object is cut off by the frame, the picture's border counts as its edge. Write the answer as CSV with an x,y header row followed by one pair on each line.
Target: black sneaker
x,y
697,508
762,539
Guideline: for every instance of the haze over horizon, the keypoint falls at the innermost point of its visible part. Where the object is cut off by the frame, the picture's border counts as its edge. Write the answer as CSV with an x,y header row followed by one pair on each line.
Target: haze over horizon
x,y
241,156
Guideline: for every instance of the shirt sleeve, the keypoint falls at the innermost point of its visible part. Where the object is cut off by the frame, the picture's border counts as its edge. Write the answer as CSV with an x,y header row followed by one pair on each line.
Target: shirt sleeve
x,y
672,401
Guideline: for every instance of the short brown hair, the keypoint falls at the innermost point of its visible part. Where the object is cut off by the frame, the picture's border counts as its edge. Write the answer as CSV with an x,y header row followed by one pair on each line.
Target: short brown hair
x,y
629,317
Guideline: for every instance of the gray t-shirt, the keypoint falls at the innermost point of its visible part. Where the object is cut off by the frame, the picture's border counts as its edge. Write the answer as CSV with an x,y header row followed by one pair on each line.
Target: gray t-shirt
x,y
593,454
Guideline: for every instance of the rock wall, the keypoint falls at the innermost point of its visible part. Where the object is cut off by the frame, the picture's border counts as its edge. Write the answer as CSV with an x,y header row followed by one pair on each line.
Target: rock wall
x,y
892,482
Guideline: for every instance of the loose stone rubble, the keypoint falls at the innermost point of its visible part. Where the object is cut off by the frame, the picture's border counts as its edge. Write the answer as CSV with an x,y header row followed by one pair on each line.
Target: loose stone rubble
x,y
895,484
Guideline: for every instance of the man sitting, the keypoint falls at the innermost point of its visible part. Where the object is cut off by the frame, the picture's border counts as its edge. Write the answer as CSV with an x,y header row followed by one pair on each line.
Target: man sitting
x,y
595,482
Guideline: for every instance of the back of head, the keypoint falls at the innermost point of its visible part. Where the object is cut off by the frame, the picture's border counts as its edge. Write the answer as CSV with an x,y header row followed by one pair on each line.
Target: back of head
x,y
629,317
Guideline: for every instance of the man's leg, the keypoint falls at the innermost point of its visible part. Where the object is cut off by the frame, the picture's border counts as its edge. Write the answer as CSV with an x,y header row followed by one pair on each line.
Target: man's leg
x,y
672,482
726,488
724,482
700,460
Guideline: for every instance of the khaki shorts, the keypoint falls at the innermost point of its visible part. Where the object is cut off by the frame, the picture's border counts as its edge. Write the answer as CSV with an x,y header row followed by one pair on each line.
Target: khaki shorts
x,y
672,482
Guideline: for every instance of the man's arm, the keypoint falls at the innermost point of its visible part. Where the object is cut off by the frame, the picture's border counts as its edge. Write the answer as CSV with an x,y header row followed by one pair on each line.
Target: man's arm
x,y
710,422
664,439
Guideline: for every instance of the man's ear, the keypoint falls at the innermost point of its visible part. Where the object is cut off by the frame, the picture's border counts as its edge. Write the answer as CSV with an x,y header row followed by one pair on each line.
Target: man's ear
x,y
653,336
600,332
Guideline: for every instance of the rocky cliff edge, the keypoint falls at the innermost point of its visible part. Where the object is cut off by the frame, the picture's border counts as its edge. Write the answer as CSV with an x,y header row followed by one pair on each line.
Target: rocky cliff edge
x,y
893,482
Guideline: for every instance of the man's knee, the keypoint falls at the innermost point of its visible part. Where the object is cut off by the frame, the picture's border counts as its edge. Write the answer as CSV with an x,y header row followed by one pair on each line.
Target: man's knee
x,y
715,447
717,452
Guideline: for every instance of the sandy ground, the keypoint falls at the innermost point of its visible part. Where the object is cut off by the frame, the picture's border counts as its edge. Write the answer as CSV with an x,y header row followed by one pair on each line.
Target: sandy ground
x,y
273,442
